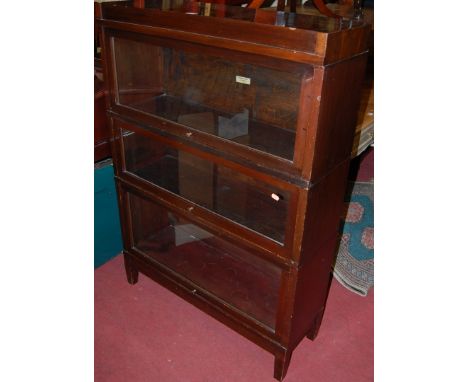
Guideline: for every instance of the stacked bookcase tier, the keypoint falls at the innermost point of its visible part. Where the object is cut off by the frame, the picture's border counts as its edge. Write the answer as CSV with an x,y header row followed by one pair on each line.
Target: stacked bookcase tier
x,y
226,271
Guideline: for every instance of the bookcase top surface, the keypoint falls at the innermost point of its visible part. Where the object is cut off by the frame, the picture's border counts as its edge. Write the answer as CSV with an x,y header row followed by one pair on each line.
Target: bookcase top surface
x,y
305,38
265,16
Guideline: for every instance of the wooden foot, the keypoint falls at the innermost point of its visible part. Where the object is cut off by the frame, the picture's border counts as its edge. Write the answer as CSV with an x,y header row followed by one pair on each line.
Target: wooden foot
x,y
317,322
132,272
281,365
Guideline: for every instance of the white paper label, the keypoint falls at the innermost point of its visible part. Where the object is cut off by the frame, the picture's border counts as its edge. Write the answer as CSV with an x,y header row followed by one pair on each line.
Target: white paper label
x,y
275,197
243,80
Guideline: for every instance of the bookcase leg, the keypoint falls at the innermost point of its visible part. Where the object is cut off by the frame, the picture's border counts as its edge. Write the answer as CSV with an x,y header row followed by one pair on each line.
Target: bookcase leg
x,y
132,272
281,364
317,322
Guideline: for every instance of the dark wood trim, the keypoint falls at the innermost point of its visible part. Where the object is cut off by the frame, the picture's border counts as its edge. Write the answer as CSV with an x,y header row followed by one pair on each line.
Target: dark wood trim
x,y
222,32
253,48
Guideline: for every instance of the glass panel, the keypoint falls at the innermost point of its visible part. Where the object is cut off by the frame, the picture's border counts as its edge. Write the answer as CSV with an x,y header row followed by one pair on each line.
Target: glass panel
x,y
247,201
232,274
251,105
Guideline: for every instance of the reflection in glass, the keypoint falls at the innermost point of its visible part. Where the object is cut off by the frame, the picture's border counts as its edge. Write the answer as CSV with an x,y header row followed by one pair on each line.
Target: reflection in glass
x,y
250,105
240,198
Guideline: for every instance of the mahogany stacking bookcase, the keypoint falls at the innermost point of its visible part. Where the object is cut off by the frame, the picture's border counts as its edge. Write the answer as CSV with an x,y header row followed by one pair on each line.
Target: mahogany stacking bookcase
x,y
231,136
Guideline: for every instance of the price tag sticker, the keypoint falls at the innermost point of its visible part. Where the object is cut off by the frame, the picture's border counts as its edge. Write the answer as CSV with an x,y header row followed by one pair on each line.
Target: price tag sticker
x,y
243,80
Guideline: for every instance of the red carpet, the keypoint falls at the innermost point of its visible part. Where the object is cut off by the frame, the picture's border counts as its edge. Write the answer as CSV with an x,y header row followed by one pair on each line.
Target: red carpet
x,y
145,333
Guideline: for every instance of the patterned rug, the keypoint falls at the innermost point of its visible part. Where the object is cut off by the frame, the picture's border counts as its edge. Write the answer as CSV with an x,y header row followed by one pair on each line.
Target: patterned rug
x,y
354,266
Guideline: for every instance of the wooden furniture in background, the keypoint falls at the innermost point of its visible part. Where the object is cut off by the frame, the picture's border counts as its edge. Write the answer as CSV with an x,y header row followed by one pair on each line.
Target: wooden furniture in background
x,y
364,135
231,137
102,134
101,130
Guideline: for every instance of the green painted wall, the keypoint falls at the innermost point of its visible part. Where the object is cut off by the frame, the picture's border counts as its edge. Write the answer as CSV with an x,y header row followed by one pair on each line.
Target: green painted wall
x,y
107,236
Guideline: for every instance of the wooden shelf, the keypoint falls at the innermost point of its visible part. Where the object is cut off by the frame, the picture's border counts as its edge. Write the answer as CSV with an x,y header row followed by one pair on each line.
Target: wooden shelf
x,y
261,136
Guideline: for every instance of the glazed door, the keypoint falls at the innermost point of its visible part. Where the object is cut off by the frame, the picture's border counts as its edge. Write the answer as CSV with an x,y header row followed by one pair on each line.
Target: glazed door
x,y
241,101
